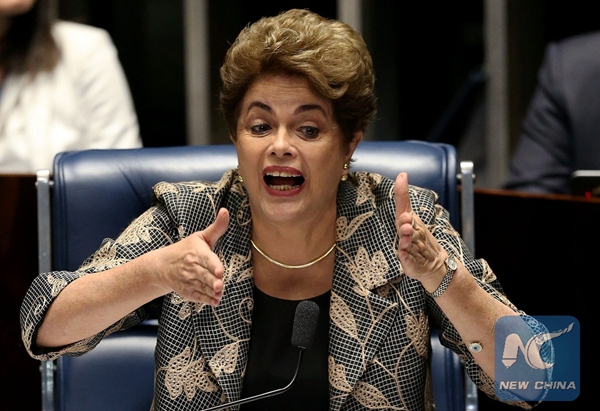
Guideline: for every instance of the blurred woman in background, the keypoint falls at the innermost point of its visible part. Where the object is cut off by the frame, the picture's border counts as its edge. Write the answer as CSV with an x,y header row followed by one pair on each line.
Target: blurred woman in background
x,y
62,88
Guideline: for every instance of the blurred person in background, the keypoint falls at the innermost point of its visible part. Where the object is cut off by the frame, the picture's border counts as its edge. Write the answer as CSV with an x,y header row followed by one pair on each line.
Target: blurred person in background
x,y
62,88
561,130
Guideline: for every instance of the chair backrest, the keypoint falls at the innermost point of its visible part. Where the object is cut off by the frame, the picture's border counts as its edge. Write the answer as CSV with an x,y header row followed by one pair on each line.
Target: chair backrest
x,y
116,375
95,194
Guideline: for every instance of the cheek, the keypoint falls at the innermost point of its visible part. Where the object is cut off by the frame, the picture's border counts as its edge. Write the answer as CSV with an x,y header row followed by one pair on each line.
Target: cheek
x,y
242,148
335,162
330,172
247,162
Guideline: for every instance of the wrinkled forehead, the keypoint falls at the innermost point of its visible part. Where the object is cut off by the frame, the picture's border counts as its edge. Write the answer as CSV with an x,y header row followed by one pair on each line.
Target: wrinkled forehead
x,y
285,90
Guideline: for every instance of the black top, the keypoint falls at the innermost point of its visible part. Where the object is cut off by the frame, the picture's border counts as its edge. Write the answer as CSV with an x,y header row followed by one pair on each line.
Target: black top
x,y
273,359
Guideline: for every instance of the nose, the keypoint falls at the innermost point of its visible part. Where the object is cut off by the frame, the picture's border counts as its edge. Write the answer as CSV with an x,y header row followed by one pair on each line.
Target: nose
x,y
282,143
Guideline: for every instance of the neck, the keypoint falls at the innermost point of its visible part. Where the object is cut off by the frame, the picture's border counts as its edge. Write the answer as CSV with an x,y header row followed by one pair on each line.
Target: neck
x,y
293,266
293,283
294,244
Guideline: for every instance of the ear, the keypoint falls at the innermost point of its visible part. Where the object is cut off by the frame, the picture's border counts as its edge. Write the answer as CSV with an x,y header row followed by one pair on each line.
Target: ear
x,y
358,136
233,139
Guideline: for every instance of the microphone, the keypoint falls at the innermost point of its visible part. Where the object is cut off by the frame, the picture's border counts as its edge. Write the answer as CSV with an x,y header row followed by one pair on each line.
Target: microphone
x,y
303,333
305,324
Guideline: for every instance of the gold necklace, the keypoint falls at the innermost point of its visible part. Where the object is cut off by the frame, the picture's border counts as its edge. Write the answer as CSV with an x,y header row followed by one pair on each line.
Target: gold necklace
x,y
292,266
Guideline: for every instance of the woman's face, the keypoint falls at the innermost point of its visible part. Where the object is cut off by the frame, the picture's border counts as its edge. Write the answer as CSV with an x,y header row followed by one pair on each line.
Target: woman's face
x,y
290,150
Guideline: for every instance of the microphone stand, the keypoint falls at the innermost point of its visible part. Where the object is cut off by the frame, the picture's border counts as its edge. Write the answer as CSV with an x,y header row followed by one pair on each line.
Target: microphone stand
x,y
263,395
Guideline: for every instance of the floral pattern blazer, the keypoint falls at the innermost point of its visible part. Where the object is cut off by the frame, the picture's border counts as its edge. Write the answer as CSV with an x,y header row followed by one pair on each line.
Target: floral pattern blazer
x,y
379,318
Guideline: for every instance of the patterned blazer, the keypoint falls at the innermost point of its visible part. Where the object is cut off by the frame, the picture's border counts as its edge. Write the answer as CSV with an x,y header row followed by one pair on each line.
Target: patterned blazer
x,y
379,318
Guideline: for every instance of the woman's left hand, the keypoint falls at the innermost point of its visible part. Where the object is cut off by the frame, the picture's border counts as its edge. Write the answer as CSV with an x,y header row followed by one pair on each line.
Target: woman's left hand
x,y
418,250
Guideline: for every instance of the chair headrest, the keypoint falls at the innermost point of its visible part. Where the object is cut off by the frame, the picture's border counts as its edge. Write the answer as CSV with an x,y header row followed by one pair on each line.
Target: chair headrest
x,y
97,193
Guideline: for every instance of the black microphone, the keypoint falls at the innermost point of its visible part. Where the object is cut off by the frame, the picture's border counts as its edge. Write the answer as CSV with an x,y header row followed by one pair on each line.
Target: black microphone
x,y
305,326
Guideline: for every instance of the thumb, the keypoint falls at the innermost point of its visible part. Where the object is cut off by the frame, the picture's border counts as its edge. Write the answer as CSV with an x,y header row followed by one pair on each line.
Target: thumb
x,y
401,194
213,232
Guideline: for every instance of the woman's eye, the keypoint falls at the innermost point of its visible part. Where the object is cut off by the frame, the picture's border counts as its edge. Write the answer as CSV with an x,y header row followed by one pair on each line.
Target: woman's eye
x,y
260,129
309,131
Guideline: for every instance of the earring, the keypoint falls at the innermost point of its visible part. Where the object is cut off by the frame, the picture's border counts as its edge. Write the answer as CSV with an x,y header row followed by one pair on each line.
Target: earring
x,y
345,175
239,176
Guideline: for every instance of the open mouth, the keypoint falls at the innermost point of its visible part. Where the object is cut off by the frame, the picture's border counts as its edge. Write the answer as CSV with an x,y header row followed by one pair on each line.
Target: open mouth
x,y
283,181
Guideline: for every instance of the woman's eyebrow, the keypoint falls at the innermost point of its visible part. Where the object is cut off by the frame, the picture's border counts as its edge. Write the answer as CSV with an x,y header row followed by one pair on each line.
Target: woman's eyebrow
x,y
309,107
301,109
259,105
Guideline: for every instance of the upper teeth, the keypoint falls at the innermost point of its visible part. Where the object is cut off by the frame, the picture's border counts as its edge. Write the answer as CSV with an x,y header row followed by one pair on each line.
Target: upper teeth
x,y
282,174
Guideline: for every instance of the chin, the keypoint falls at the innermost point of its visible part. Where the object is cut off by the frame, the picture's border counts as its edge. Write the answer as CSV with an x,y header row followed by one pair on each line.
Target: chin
x,y
282,213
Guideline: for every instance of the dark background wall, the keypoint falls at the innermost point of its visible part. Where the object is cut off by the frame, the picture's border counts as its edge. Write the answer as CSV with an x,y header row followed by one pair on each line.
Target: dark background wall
x,y
423,54
428,57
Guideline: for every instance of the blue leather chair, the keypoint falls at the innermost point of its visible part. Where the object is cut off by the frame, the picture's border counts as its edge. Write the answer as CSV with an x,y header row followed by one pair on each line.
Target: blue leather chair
x,y
94,194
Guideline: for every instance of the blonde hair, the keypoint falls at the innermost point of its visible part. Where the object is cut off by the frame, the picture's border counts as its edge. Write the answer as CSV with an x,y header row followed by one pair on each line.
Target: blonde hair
x,y
329,53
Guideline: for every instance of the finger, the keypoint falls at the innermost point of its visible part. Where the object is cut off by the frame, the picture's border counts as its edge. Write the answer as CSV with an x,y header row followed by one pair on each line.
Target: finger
x,y
401,194
202,293
213,232
403,209
210,261
404,224
214,272
207,288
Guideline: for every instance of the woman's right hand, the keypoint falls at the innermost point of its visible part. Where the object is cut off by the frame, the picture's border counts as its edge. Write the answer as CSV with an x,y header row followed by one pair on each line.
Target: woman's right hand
x,y
190,267
92,303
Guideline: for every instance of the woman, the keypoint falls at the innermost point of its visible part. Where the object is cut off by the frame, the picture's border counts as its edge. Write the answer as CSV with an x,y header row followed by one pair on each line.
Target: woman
x,y
233,258
61,88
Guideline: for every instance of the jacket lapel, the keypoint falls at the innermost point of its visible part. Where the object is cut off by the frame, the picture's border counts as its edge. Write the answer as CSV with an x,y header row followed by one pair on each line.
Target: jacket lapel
x,y
361,311
226,352
224,331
